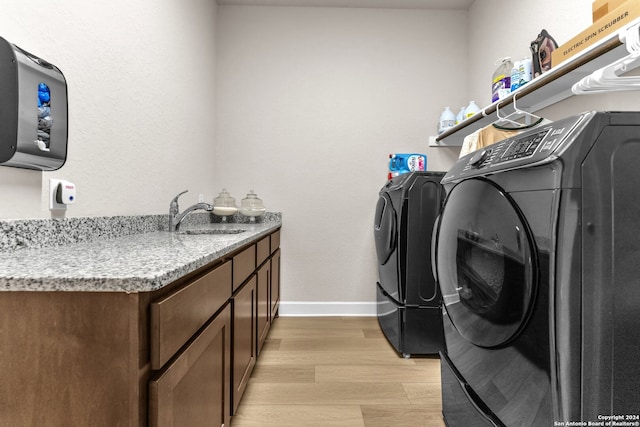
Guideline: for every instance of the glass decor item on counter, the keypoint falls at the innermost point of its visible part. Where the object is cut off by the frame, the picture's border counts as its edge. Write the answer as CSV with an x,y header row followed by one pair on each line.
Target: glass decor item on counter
x,y
252,206
224,205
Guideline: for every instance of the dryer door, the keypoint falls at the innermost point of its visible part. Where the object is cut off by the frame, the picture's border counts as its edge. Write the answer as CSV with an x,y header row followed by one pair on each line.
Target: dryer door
x,y
485,263
384,228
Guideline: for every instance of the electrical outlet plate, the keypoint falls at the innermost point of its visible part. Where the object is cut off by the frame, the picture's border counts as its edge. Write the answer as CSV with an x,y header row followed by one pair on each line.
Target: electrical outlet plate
x,y
53,187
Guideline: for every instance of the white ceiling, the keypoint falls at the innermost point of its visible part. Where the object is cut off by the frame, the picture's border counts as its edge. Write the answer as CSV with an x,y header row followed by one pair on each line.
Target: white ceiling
x,y
380,4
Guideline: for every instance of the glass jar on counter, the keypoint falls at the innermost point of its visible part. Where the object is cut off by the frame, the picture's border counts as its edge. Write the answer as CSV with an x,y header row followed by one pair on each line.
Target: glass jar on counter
x,y
224,205
252,206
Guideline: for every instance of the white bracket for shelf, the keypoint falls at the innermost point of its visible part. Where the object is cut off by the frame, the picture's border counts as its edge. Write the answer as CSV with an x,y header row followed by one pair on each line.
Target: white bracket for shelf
x,y
433,142
609,78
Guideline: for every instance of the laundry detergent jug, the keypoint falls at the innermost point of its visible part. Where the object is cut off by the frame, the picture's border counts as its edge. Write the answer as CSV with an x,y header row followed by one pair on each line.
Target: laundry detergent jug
x,y
405,163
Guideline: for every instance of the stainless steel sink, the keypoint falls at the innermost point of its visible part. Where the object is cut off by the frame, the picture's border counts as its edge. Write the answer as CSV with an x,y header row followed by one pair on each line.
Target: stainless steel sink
x,y
213,231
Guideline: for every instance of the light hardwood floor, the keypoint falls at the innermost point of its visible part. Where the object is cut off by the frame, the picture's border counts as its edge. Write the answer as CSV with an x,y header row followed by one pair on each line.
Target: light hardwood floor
x,y
338,371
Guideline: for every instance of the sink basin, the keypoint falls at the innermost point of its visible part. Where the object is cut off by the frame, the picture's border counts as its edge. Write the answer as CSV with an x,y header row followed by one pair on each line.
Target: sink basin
x,y
213,231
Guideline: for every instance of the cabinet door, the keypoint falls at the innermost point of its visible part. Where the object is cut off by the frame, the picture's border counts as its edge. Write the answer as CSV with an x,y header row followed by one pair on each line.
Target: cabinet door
x,y
264,306
178,316
275,240
275,284
194,389
244,264
244,338
263,250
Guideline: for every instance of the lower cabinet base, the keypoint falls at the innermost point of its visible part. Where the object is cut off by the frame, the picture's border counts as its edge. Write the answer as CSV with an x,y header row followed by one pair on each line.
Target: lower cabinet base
x,y
109,359
72,359
194,390
244,339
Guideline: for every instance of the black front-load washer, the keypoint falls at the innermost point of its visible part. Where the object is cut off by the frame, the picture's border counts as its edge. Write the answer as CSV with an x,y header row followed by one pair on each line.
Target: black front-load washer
x,y
408,299
536,255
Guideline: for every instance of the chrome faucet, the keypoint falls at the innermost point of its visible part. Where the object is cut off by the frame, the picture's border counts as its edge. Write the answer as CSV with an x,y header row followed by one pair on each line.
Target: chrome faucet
x,y
175,217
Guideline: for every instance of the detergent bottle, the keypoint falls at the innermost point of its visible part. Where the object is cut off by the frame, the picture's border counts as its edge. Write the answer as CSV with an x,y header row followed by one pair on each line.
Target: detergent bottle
x,y
405,163
501,80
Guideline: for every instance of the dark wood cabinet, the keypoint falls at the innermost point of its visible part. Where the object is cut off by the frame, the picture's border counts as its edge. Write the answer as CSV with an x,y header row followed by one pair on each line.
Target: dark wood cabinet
x,y
193,390
178,316
264,308
275,284
263,250
244,338
73,359
244,264
178,356
191,385
275,240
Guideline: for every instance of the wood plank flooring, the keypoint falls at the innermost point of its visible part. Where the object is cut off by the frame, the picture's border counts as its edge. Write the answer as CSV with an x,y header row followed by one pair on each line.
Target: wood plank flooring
x,y
338,371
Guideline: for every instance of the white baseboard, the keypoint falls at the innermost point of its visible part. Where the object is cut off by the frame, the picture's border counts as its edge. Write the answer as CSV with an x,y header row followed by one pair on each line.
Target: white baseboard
x,y
309,309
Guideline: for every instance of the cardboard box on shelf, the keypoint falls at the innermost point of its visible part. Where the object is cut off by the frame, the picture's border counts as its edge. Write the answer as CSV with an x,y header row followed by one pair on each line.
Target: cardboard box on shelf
x,y
611,22
599,8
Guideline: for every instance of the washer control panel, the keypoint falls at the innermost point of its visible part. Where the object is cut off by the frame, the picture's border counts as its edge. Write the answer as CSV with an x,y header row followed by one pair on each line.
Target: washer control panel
x,y
533,146
524,147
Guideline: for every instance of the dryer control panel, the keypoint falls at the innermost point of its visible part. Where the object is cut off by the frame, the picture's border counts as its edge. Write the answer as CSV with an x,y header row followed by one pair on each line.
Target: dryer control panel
x,y
534,146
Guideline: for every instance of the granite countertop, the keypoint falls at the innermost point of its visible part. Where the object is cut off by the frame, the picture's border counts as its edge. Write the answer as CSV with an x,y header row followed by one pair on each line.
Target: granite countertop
x,y
139,262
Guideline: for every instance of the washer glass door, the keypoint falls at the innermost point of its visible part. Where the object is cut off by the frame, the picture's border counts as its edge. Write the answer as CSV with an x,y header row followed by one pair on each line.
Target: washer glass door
x,y
485,263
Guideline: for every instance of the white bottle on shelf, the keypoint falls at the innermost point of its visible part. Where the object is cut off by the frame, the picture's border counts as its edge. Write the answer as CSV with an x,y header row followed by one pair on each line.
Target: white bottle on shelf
x,y
471,109
526,71
447,120
461,116
515,76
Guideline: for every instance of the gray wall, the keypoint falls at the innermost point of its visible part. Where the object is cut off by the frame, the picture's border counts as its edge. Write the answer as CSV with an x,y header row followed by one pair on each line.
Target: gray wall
x,y
140,78
311,101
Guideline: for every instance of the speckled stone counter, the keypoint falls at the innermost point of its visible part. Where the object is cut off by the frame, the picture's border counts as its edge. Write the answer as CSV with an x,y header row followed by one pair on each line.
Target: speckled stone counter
x,y
139,259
